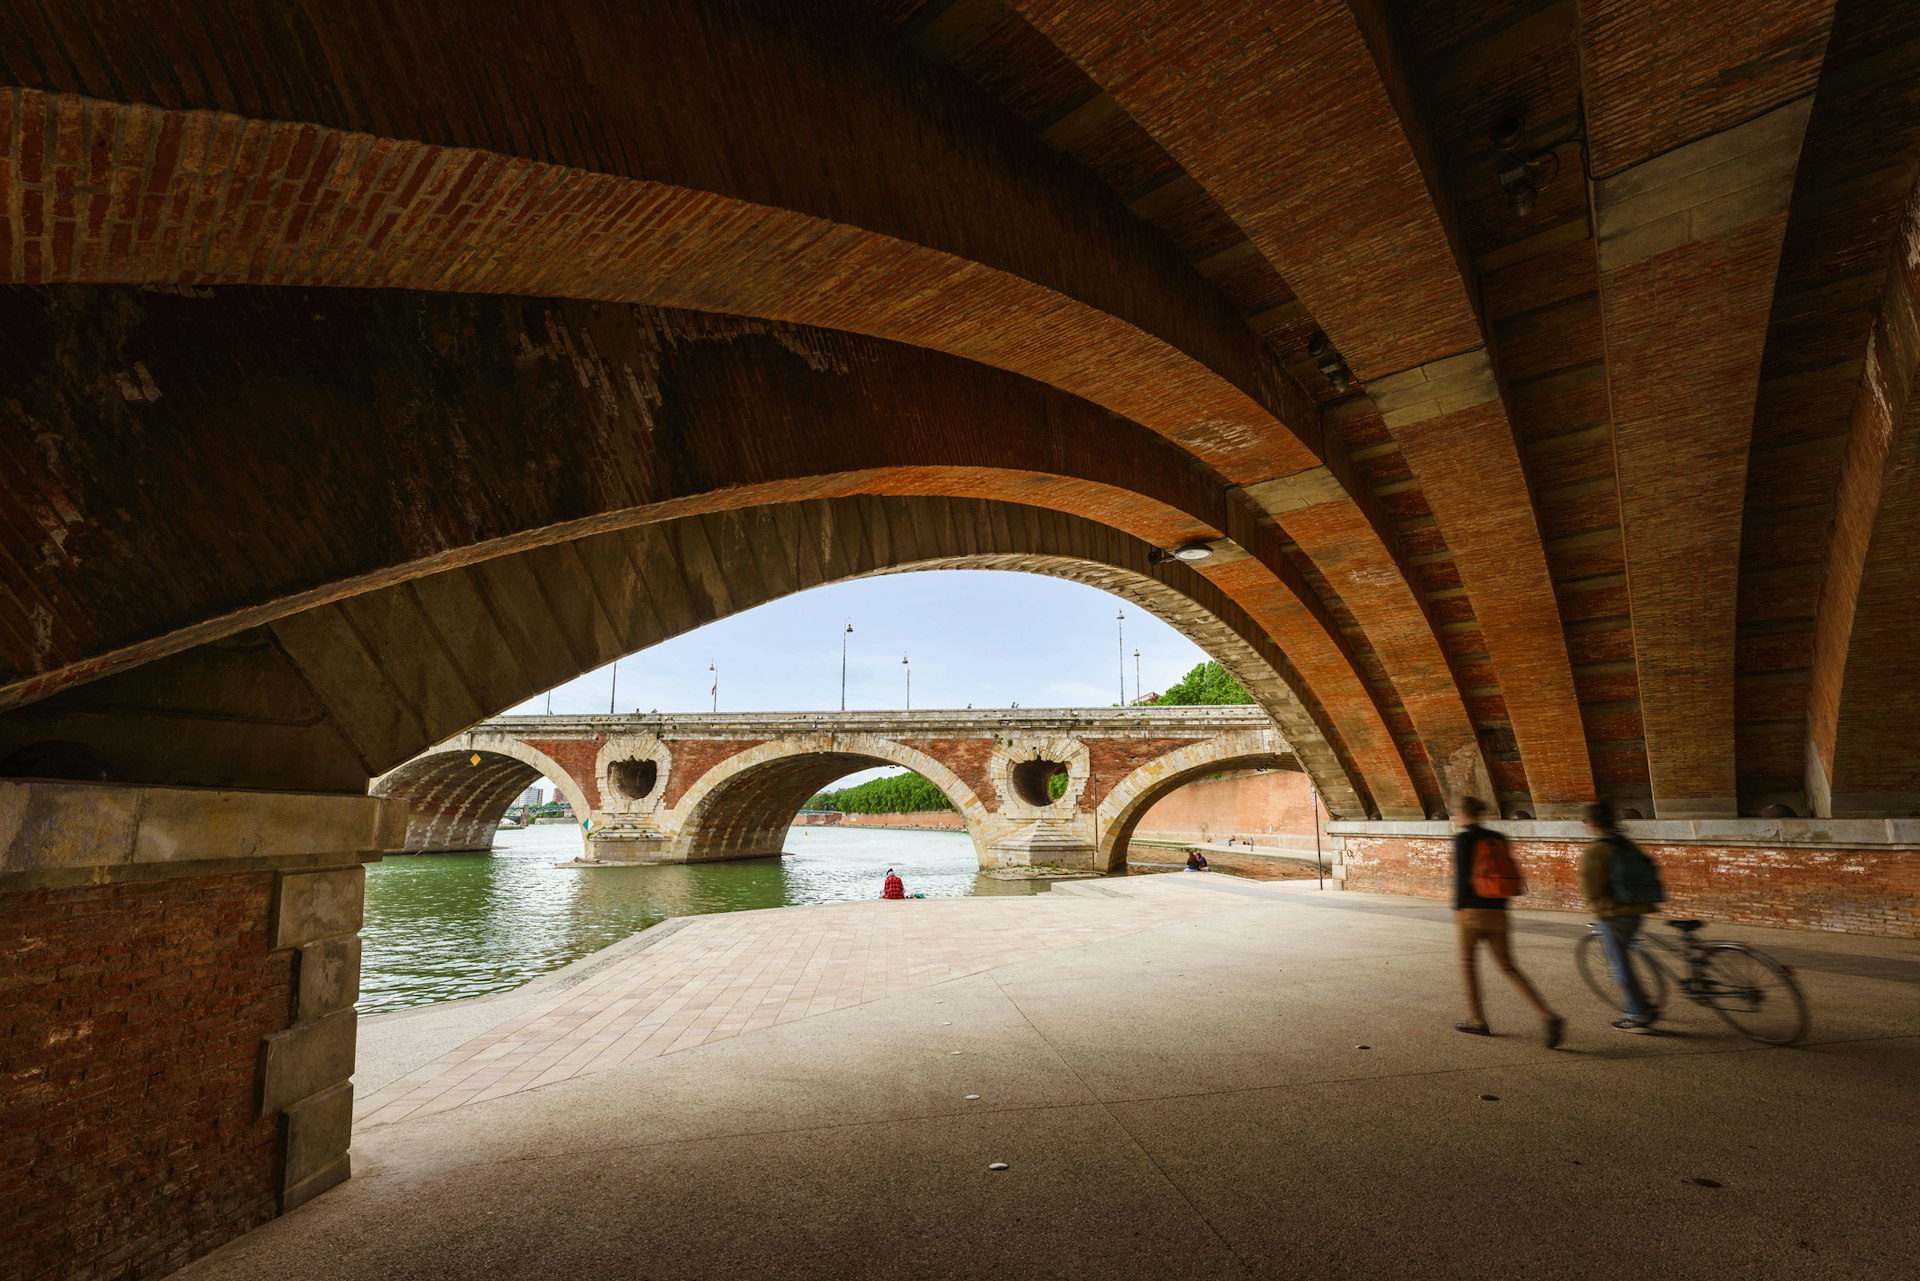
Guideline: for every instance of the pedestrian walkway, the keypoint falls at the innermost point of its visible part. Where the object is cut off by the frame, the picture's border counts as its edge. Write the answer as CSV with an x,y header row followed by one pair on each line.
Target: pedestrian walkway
x,y
1185,1076
717,977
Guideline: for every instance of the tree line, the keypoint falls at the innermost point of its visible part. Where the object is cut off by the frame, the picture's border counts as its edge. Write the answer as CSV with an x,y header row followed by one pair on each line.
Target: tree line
x,y
895,794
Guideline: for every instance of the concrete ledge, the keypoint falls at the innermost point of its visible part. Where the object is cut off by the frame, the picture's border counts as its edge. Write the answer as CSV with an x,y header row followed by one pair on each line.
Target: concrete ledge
x,y
1808,833
62,829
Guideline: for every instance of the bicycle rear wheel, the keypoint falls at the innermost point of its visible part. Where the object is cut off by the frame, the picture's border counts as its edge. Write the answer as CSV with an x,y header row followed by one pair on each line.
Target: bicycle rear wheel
x,y
1590,958
1754,993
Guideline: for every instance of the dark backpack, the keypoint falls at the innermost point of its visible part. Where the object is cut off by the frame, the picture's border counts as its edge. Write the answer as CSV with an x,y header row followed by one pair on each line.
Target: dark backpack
x,y
1631,877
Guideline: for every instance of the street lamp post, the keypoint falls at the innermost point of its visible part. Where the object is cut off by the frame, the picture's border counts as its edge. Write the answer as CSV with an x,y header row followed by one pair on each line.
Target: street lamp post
x,y
1120,623
714,667
1136,676
843,664
908,668
613,689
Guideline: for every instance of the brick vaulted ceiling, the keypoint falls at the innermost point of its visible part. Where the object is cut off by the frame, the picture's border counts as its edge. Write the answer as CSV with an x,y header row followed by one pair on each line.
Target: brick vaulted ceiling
x,y
1618,497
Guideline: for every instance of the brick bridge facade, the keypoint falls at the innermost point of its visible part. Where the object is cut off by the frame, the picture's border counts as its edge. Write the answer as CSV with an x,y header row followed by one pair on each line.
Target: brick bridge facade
x,y
693,788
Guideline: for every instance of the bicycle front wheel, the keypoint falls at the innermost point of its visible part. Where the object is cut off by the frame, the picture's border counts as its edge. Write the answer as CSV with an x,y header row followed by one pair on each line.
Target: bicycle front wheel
x,y
1590,958
1754,993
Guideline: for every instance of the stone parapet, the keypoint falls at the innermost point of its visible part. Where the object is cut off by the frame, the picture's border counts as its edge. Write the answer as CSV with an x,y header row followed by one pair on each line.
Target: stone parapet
x,y
61,833
933,722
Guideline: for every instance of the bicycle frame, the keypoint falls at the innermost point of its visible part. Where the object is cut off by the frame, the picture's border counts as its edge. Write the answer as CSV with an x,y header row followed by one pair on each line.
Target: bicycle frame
x,y
1691,951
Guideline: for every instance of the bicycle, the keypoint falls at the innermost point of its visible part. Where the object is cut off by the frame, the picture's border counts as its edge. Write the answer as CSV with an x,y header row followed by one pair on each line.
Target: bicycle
x,y
1755,994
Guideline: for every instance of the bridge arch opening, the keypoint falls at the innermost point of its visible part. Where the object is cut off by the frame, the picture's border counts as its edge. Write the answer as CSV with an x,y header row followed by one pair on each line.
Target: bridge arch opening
x,y
457,797
745,806
1129,800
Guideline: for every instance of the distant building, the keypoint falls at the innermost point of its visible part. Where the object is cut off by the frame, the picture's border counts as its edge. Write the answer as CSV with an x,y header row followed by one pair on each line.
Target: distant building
x,y
532,796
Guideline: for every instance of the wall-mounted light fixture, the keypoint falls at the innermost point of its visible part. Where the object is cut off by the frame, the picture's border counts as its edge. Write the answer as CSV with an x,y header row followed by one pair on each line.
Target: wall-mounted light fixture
x,y
1188,552
1330,363
1523,171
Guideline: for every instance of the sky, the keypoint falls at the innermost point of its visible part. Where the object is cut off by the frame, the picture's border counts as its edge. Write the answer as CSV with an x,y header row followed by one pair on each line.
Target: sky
x,y
982,637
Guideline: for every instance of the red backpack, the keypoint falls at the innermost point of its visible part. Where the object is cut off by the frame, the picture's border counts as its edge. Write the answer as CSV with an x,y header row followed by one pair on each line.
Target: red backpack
x,y
1495,874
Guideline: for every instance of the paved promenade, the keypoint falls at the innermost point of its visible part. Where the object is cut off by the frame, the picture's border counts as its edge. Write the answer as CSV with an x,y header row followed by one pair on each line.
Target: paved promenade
x,y
1187,1077
716,977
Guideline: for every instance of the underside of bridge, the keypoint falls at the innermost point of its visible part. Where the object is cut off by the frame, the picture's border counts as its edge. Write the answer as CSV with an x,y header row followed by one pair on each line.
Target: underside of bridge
x,y
1538,375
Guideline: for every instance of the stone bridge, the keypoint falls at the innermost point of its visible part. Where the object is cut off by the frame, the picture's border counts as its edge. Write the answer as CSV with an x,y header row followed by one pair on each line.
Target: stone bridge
x,y
690,788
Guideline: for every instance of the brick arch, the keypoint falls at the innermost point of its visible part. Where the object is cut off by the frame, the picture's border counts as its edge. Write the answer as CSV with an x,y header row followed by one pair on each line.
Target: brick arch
x,y
456,804
745,804
1122,808
650,415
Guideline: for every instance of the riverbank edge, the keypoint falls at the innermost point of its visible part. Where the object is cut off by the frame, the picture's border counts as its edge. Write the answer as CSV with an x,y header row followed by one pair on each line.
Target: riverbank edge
x,y
566,976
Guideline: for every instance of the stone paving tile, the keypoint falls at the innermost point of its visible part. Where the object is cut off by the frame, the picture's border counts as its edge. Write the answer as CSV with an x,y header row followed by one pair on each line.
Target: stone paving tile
x,y
726,975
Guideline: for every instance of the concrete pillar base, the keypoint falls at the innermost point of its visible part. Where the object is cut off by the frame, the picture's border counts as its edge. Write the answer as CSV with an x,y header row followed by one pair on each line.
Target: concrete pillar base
x,y
219,933
1046,843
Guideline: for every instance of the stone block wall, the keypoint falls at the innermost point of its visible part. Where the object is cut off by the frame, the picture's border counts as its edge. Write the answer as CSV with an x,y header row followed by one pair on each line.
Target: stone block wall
x,y
1858,890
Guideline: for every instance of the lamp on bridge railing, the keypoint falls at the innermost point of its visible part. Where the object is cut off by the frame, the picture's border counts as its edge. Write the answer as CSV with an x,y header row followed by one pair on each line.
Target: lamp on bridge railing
x,y
714,667
1120,621
908,668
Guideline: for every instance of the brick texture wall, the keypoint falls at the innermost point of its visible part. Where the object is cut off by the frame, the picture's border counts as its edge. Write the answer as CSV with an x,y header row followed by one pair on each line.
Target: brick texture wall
x,y
130,1025
693,757
577,756
1854,891
1112,759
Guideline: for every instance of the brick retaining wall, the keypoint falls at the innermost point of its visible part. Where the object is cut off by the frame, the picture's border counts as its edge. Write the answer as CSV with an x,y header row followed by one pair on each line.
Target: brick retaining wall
x,y
131,1018
1853,891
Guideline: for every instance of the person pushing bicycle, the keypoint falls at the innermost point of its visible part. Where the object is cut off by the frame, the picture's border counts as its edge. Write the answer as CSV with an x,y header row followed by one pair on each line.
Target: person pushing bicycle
x,y
1622,886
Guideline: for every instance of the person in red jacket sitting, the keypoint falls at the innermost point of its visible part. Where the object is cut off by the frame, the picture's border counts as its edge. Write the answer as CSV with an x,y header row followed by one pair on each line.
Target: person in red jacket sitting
x,y
892,888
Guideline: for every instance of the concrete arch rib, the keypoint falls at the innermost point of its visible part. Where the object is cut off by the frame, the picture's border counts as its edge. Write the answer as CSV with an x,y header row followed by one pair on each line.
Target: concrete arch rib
x,y
456,804
744,805
1121,809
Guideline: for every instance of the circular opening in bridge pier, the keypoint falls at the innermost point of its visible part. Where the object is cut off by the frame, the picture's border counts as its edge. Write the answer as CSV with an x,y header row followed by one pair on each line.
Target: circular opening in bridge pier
x,y
1034,781
634,779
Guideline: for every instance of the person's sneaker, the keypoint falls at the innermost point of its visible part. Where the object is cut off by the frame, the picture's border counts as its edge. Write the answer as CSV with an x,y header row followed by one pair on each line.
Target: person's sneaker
x,y
1556,1028
1630,1025
1473,1029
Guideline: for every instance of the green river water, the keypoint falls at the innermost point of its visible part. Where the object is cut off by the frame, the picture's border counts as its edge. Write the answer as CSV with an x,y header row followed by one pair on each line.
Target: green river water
x,y
442,926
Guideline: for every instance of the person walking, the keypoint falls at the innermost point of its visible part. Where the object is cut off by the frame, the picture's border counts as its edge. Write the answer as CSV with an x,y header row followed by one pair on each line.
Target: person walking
x,y
1485,877
1622,886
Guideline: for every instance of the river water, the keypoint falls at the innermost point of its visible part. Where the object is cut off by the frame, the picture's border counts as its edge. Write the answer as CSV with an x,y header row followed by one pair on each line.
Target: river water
x,y
441,926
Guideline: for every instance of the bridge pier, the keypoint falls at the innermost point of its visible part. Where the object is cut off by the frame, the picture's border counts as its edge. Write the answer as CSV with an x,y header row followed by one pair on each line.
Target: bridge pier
x,y
1066,843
